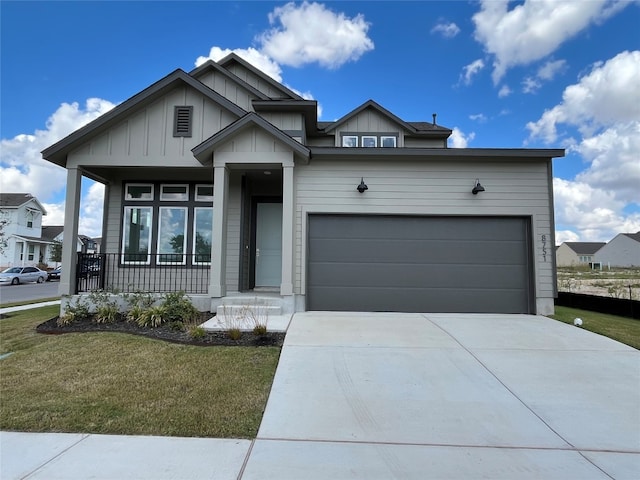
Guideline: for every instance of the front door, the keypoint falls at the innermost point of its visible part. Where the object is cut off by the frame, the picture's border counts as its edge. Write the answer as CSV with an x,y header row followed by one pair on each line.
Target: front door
x,y
268,244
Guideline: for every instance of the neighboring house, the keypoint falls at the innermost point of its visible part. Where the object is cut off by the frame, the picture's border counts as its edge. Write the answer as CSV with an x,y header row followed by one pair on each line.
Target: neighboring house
x,y
570,254
55,233
22,232
221,182
622,251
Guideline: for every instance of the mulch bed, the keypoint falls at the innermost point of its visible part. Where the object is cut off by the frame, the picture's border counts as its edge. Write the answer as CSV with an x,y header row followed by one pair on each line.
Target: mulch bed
x,y
164,332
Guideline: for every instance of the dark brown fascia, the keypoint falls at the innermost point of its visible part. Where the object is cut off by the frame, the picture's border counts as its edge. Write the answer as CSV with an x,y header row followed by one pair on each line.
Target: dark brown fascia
x,y
375,106
232,57
498,154
57,153
203,151
211,65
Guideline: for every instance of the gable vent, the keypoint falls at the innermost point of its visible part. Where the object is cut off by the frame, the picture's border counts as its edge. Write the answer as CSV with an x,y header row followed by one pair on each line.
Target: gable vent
x,y
182,121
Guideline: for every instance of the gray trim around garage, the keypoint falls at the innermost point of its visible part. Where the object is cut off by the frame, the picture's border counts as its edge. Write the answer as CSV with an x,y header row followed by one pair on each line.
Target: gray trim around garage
x,y
420,263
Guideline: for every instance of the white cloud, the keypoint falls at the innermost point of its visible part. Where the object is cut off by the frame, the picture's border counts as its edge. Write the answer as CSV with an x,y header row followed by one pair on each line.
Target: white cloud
x,y
531,85
478,117
254,57
459,140
504,91
566,236
470,70
447,30
534,29
595,214
311,33
607,95
550,69
22,168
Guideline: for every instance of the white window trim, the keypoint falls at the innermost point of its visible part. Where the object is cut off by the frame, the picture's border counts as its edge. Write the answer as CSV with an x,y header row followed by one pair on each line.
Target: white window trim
x,y
386,137
131,199
184,237
346,137
370,137
202,198
124,219
173,185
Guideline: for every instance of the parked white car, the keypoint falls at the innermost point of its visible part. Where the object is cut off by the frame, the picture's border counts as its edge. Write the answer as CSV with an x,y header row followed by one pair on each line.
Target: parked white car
x,y
17,275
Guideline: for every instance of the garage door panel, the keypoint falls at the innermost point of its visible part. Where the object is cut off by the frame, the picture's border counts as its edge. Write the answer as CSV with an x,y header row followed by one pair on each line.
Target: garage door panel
x,y
429,264
417,275
417,251
364,299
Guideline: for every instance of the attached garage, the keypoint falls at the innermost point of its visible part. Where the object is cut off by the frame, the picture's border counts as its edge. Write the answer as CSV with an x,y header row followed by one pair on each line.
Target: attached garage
x,y
419,264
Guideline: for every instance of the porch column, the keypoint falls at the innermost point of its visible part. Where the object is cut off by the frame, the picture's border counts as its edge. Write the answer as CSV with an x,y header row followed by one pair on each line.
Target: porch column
x,y
288,219
69,241
217,281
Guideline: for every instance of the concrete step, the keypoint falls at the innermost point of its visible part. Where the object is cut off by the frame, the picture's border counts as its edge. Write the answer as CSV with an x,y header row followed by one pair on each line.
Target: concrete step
x,y
248,310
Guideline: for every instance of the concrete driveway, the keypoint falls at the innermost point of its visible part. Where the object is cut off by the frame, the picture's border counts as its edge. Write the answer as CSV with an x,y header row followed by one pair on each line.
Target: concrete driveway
x,y
415,396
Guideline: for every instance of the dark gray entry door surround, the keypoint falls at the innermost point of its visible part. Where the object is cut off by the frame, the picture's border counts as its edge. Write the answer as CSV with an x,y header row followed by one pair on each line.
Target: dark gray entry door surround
x,y
419,264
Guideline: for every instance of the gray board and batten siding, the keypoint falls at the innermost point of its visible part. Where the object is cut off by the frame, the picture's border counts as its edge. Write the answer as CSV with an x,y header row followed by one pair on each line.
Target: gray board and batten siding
x,y
420,264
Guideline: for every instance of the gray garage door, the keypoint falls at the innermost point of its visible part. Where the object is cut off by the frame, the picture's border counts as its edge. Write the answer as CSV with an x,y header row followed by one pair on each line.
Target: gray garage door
x,y
419,264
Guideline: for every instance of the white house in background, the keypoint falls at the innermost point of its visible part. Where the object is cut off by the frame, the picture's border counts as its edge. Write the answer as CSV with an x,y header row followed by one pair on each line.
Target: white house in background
x,y
223,183
622,251
22,233
574,254
55,234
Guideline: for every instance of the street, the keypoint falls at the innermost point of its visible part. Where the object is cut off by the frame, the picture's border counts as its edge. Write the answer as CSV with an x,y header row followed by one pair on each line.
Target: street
x,y
28,292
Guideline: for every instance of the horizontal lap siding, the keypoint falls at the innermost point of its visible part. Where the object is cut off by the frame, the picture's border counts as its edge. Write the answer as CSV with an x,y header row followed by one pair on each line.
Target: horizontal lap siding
x,y
427,187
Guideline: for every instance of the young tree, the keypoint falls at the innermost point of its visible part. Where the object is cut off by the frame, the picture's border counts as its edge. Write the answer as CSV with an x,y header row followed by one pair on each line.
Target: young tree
x,y
4,221
56,251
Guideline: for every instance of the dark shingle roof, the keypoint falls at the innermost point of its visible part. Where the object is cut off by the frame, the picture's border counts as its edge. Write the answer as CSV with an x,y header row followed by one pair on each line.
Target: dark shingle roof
x,y
585,248
49,232
14,199
633,236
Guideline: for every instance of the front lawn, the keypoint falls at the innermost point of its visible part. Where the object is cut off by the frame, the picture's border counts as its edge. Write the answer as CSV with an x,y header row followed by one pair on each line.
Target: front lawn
x,y
123,384
624,330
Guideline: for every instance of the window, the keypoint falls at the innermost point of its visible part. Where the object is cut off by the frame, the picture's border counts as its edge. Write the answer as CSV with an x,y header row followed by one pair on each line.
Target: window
x,y
29,219
202,228
138,191
369,141
174,192
182,119
204,193
32,253
20,248
172,235
387,142
350,141
136,237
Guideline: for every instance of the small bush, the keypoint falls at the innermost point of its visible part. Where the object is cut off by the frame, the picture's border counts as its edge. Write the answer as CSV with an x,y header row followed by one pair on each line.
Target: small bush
x,y
234,333
135,313
196,332
74,311
178,307
176,326
260,330
152,317
106,314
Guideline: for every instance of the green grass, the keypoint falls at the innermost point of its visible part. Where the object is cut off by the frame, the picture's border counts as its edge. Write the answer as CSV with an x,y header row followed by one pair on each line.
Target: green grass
x,y
123,384
624,330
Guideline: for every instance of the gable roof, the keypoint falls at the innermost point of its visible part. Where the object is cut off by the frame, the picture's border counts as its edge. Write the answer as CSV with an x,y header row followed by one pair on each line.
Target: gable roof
x,y
57,152
633,236
234,58
211,65
585,248
49,232
16,200
203,151
418,128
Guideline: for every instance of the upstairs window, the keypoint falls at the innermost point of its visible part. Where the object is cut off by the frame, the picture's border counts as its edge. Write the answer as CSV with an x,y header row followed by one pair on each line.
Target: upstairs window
x,y
370,140
29,219
350,141
182,121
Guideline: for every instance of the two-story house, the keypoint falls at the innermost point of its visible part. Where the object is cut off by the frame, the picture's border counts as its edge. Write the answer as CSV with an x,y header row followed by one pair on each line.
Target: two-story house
x,y
24,245
222,182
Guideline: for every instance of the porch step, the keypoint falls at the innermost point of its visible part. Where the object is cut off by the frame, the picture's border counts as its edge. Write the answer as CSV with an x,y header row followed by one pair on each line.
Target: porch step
x,y
252,311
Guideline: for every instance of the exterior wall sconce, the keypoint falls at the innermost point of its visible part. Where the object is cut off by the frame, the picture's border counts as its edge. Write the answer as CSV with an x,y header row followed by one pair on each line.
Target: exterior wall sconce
x,y
477,187
363,186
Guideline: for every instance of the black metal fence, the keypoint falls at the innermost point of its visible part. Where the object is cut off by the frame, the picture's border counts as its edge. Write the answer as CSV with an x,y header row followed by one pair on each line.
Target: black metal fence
x,y
149,273
614,306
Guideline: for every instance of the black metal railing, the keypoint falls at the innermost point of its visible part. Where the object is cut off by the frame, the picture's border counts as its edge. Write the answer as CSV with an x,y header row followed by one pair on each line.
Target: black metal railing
x,y
159,273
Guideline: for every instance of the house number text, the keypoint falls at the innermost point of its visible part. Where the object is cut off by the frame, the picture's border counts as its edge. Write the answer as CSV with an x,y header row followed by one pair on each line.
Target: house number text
x,y
544,248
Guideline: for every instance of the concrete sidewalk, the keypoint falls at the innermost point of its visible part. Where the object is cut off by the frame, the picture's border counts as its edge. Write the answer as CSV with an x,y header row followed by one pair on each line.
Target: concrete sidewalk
x,y
28,306
402,396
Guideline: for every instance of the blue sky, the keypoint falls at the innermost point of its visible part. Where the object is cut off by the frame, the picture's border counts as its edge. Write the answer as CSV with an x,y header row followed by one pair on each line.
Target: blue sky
x,y
542,74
